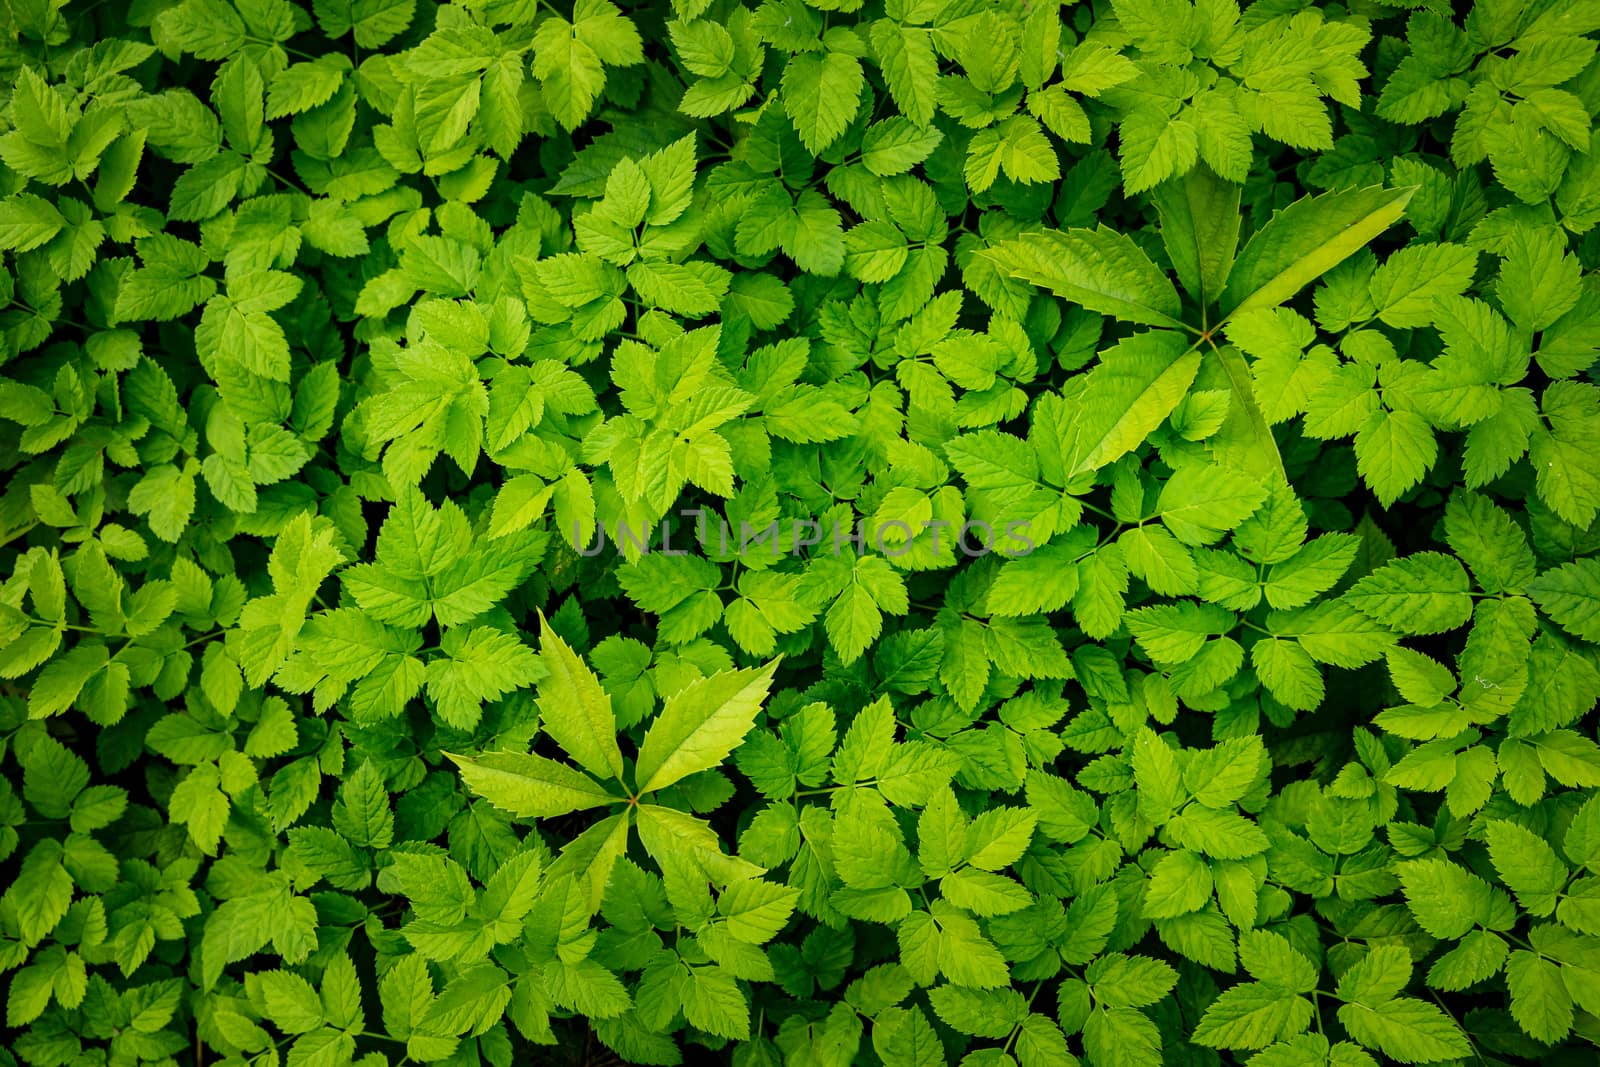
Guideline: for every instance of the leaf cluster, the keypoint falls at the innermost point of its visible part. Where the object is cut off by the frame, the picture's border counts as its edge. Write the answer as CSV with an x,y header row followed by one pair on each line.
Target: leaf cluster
x,y
799,532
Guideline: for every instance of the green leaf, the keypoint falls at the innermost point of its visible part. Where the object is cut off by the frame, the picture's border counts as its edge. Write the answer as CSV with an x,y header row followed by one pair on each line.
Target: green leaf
x,y
1252,1015
1424,593
1406,1030
756,910
373,21
1122,401
1375,979
569,70
481,665
1527,865
997,838
28,221
1202,502
1273,959
1120,981
1100,269
1490,542
820,91
980,1013
1200,229
1018,148
895,145
574,710
290,1001
530,786
1539,279
1122,1037
1179,884
1407,285
1156,146
1394,449
700,725
362,813
61,682
1540,1001
910,69
1041,581
1570,594
1304,241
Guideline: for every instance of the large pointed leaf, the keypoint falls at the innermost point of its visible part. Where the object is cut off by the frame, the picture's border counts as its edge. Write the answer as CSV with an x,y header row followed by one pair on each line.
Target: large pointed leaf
x,y
1101,269
574,710
1200,228
682,844
589,858
701,724
529,786
1245,440
1119,403
1306,240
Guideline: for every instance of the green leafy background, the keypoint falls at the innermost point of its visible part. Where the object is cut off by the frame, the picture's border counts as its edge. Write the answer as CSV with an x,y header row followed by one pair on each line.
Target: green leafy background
x,y
1263,339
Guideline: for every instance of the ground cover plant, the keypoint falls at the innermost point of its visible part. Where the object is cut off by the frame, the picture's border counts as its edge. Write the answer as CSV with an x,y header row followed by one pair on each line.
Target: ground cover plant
x,y
808,532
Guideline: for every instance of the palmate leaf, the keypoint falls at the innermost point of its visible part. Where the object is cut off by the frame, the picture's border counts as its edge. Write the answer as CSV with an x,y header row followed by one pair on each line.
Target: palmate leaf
x,y
697,729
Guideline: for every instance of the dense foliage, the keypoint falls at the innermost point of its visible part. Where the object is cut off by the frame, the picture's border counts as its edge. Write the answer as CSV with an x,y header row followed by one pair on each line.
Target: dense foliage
x,y
817,532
